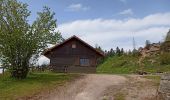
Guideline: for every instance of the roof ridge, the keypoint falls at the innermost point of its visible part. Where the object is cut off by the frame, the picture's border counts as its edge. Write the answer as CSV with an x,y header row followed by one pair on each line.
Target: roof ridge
x,y
74,36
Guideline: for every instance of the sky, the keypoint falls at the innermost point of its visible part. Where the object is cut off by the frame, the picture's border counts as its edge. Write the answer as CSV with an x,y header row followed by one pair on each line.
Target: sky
x,y
108,23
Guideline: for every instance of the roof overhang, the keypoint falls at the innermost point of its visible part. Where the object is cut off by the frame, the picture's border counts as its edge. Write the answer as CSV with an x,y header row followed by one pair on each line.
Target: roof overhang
x,y
47,51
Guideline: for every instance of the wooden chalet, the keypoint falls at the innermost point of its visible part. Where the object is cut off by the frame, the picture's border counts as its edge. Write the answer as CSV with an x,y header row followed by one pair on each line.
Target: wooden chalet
x,y
73,55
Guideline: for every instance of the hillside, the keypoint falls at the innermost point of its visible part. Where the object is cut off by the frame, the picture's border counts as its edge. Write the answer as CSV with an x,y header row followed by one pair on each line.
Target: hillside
x,y
128,64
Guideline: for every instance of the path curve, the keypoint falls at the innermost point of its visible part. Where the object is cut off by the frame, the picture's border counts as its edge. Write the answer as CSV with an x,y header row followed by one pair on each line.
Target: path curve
x,y
90,87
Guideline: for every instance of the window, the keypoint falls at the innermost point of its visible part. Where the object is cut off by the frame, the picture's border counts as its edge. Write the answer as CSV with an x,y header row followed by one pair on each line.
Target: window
x,y
84,62
73,46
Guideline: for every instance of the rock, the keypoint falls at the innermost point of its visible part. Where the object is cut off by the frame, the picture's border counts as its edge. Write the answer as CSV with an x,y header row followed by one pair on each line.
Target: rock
x,y
141,72
164,88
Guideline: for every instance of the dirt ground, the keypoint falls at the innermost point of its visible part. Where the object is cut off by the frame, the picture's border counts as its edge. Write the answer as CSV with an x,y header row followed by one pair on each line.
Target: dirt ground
x,y
105,87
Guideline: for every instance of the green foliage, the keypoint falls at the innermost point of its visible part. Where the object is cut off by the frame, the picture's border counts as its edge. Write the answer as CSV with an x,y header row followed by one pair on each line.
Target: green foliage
x,y
165,49
98,48
165,46
128,64
129,52
122,51
155,78
118,51
167,38
111,52
11,89
119,96
153,65
165,58
118,65
135,52
21,42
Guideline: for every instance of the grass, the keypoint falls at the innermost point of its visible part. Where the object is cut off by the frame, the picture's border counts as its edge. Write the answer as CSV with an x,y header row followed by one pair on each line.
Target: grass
x,y
119,96
129,65
11,89
118,65
155,78
156,66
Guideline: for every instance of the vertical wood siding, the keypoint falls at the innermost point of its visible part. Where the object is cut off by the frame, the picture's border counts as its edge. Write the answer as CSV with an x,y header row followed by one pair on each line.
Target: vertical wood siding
x,y
65,55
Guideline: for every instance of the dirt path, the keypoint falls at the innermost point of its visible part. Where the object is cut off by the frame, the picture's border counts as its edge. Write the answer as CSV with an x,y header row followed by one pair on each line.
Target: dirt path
x,y
135,88
105,87
90,87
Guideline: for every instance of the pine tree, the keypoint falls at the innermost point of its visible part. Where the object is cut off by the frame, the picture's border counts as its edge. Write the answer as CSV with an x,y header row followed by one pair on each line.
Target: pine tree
x,y
135,52
129,52
118,52
105,52
122,51
112,53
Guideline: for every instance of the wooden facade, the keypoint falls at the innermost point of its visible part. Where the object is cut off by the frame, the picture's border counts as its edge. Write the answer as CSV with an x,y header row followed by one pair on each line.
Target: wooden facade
x,y
73,55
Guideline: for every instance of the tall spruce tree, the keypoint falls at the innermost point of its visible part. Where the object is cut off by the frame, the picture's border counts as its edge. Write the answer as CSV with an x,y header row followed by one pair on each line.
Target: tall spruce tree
x,y
118,52
122,51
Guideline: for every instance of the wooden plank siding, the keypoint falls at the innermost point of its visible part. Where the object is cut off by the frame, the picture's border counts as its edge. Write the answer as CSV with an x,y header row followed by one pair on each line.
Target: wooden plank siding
x,y
65,56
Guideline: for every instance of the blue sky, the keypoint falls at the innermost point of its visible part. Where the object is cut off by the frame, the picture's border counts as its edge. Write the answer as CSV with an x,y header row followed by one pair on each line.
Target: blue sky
x,y
108,23
91,9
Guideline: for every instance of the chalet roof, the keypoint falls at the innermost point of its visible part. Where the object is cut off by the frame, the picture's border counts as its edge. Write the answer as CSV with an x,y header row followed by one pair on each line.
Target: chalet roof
x,y
69,39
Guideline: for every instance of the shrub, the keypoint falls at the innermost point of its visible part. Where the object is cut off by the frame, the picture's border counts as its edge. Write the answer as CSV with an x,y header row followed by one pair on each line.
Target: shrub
x,y
165,58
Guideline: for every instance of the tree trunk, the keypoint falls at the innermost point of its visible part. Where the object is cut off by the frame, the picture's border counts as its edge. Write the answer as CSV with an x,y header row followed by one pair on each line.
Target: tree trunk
x,y
3,70
20,73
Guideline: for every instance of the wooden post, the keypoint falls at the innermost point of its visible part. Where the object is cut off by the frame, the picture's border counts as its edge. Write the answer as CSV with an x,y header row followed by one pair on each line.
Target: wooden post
x,y
65,69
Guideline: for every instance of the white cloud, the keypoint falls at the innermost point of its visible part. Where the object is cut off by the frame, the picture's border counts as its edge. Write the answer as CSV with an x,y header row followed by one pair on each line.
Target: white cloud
x,y
126,12
42,60
77,7
110,33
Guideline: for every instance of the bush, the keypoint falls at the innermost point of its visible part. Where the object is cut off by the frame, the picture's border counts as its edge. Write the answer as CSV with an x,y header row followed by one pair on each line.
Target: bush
x,y
165,58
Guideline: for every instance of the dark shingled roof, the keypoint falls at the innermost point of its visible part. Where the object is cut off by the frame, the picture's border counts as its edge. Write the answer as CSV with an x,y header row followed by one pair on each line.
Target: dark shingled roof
x,y
67,40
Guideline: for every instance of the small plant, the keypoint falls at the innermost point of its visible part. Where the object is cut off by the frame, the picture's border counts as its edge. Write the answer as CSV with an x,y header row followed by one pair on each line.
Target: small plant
x,y
119,96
